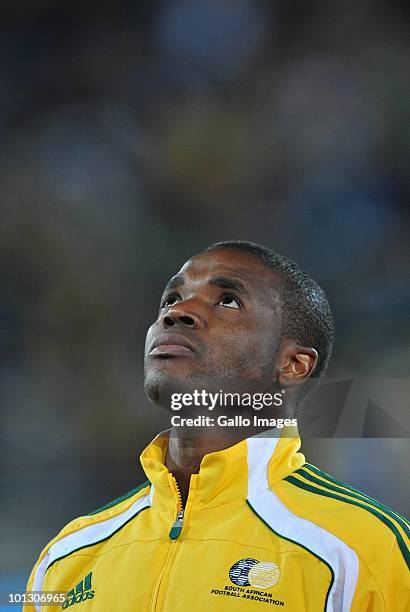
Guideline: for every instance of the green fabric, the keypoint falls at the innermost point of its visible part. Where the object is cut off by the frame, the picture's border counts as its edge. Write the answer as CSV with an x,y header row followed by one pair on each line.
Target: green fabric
x,y
120,499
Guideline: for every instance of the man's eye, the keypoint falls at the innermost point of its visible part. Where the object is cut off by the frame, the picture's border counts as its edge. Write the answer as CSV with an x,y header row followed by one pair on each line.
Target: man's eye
x,y
229,302
169,301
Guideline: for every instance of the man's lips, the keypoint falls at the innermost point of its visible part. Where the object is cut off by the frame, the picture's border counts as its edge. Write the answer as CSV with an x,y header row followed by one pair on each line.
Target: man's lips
x,y
171,344
170,349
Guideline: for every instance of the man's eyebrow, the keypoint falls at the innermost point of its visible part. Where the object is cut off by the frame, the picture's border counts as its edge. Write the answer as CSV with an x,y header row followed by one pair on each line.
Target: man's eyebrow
x,y
230,283
174,283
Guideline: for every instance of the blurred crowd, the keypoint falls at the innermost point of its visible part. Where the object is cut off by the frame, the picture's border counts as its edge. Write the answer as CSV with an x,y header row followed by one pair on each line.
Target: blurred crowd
x,y
134,134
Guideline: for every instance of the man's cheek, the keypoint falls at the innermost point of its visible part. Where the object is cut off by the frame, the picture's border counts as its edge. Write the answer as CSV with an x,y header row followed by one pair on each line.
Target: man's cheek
x,y
149,338
232,351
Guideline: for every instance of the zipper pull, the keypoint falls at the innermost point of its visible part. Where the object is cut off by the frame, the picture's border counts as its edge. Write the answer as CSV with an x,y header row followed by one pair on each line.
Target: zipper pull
x,y
177,526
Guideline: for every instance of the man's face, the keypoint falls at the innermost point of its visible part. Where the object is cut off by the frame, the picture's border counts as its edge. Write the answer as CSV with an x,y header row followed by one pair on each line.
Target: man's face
x,y
218,327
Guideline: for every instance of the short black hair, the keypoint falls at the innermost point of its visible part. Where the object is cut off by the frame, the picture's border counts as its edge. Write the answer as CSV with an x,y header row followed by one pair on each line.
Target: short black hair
x,y
305,310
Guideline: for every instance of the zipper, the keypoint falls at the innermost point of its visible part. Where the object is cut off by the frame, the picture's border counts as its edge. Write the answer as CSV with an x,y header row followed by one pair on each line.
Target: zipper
x,y
173,535
179,521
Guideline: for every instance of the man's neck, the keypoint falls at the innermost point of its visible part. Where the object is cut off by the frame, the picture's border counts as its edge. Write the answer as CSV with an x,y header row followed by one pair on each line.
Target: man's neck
x,y
186,450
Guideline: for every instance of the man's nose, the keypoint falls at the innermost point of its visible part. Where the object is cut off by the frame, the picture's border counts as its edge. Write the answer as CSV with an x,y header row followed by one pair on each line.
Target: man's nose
x,y
183,314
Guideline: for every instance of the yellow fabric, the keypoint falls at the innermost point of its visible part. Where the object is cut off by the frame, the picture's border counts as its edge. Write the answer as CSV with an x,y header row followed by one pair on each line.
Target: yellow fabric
x,y
139,568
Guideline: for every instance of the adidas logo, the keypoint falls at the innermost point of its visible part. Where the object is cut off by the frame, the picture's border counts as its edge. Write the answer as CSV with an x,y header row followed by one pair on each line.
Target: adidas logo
x,y
80,592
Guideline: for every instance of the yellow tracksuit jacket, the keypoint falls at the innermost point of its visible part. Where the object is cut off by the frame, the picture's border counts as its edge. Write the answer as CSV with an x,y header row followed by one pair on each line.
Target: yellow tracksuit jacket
x,y
261,530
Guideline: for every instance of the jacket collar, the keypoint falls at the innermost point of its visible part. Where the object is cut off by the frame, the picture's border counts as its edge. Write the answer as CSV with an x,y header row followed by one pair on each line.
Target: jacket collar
x,y
246,468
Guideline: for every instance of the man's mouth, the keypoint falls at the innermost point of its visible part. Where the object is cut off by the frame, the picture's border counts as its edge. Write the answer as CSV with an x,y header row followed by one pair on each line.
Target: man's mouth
x,y
170,345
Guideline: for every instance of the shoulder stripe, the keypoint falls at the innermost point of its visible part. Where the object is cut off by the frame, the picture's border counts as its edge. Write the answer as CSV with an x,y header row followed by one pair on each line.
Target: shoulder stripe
x,y
356,495
102,538
393,513
332,574
85,537
384,519
118,500
337,555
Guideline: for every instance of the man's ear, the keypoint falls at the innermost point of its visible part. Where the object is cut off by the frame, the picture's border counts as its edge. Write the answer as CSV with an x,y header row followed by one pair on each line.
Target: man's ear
x,y
295,362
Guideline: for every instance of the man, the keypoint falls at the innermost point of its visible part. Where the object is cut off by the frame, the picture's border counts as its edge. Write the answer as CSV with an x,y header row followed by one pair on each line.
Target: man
x,y
230,520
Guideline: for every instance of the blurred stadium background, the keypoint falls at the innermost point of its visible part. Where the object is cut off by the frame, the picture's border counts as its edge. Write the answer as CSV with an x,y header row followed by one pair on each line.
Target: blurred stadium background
x,y
133,135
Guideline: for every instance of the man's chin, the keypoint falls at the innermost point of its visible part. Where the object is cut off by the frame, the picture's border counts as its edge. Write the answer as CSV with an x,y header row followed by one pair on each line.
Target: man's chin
x,y
160,385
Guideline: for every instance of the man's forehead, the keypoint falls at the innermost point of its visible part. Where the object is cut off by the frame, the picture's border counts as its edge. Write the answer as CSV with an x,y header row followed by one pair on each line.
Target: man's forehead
x,y
228,262
229,259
